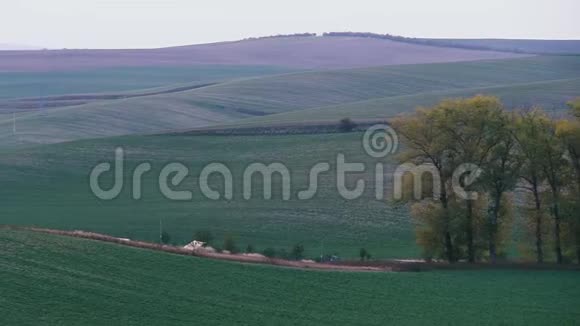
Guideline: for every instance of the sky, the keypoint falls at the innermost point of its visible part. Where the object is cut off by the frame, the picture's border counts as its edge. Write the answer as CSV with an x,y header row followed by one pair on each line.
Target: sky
x,y
159,23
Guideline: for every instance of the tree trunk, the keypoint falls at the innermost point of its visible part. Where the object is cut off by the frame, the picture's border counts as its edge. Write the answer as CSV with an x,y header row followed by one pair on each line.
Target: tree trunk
x,y
470,247
447,236
539,245
557,230
493,229
449,248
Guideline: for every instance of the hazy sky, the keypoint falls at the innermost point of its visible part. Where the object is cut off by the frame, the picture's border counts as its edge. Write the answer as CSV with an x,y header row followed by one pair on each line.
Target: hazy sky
x,y
156,23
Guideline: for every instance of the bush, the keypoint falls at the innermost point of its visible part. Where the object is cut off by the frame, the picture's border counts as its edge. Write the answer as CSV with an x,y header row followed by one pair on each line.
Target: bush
x,y
269,252
346,125
203,236
298,252
363,253
165,237
250,249
230,244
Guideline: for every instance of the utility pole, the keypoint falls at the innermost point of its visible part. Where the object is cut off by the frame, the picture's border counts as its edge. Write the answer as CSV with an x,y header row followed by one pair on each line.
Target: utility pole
x,y
322,250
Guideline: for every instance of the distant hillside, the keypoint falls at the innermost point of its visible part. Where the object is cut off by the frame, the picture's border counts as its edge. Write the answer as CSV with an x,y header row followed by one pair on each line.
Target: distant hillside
x,y
293,51
121,79
566,47
552,96
254,97
561,47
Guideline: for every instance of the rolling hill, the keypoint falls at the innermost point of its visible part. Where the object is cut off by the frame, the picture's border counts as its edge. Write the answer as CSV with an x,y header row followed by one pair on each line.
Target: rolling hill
x,y
52,280
563,47
58,174
531,46
37,85
361,90
550,95
298,52
61,196
63,112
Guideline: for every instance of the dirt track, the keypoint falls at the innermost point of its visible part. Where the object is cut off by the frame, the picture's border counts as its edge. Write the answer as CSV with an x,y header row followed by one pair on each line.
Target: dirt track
x,y
352,266
203,253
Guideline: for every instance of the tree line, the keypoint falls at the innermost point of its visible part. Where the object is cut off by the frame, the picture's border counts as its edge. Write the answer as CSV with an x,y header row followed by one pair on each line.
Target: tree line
x,y
529,183
420,41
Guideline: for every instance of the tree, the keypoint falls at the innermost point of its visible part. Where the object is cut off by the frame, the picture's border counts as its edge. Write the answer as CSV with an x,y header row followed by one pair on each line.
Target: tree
x,y
500,175
476,127
554,166
426,143
165,237
570,224
230,244
529,127
528,150
569,132
362,254
269,252
346,125
298,252
427,218
250,249
203,236
449,135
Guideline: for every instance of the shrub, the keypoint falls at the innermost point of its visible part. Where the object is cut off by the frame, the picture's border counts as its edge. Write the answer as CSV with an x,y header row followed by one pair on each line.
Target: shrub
x,y
363,254
230,244
165,237
346,125
269,252
250,249
203,236
298,252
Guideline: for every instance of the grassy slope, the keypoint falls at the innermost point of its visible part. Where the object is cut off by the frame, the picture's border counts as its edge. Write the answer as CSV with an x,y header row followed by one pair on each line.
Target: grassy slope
x,y
301,52
51,280
107,80
527,46
550,95
231,101
48,186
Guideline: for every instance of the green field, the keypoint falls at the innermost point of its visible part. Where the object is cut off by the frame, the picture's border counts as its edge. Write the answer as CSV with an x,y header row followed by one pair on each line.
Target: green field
x,y
121,79
46,157
48,186
53,280
550,95
361,93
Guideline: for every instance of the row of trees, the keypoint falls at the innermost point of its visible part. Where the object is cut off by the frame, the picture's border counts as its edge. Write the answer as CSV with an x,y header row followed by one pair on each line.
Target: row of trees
x,y
230,244
530,168
421,41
